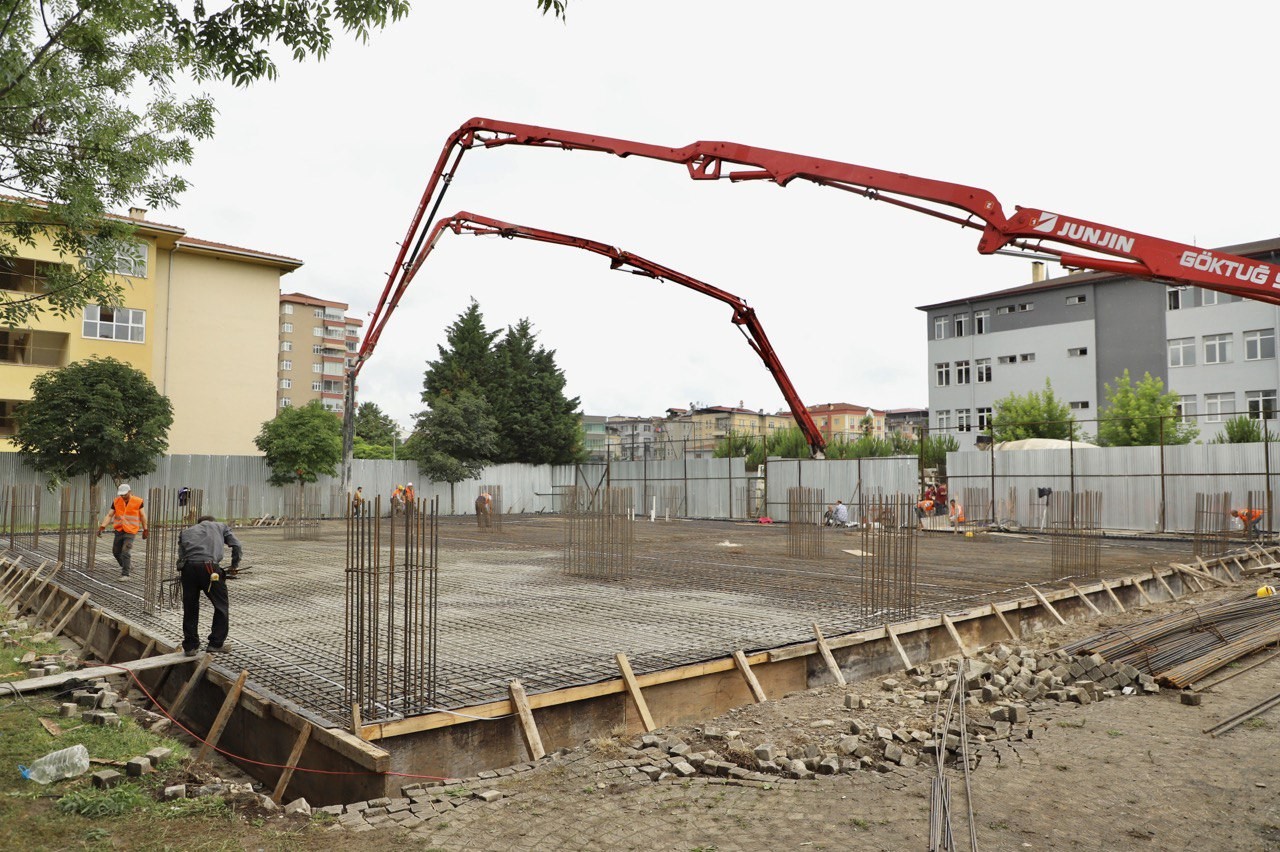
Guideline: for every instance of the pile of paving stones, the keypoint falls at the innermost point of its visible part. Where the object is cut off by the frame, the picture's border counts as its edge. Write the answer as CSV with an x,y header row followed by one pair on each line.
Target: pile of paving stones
x,y
96,703
417,804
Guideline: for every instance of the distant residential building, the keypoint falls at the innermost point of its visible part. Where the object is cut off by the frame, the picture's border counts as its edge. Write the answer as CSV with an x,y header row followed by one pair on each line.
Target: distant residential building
x,y
599,438
845,421
318,343
906,421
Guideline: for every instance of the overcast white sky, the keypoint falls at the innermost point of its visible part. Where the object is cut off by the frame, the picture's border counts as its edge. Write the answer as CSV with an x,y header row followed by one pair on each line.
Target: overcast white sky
x,y
1153,117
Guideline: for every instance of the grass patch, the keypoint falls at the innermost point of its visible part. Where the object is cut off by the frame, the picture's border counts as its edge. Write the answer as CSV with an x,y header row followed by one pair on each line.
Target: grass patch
x,y
1257,723
103,803
1115,733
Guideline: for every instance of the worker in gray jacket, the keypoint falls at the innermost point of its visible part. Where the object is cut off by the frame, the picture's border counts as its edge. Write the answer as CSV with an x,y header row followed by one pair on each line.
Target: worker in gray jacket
x,y
200,548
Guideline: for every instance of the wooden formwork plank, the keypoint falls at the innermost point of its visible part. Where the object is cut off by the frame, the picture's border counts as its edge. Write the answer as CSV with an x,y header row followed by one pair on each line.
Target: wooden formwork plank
x,y
955,635
1160,579
1045,603
189,686
995,610
294,755
50,681
224,715
825,650
528,728
1189,577
1114,599
66,619
16,597
633,689
11,582
897,646
1082,596
744,667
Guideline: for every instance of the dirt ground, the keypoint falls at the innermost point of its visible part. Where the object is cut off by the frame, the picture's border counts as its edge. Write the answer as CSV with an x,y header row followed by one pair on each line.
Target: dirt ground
x,y
1125,773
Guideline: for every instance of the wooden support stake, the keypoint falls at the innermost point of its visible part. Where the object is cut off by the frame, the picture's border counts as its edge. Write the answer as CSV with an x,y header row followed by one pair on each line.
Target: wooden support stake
x,y
11,582
1160,579
825,650
54,593
955,635
111,652
189,686
633,689
224,715
902,652
1045,603
1190,576
88,640
1114,599
298,745
128,683
17,596
1081,596
1000,615
356,722
532,740
60,608
1137,584
62,625
740,659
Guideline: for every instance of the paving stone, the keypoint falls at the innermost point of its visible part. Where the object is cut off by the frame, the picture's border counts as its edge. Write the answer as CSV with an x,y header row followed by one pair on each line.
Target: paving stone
x,y
684,769
298,806
138,766
370,813
107,778
172,792
381,802
489,796
651,772
159,755
331,810
352,818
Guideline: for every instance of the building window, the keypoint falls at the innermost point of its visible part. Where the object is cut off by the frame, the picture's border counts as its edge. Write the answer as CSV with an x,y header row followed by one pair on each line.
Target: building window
x,y
1216,405
286,308
285,384
1260,345
131,259
1083,405
962,324
944,419
315,386
1208,297
939,328
1004,309
103,323
981,322
286,328
964,423
1078,299
1262,404
1175,298
286,346
1027,357
943,373
1078,352
1023,307
285,402
1186,408
317,348
1007,359
318,312
317,331
962,372
984,418
317,367
1217,348
1182,352
286,365
982,370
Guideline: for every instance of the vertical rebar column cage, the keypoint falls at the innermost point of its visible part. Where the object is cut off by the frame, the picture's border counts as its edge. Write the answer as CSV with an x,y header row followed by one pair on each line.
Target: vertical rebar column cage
x,y
1076,523
889,585
237,505
302,513
22,515
494,519
805,525
1212,524
391,614
1255,528
169,511
598,532
77,524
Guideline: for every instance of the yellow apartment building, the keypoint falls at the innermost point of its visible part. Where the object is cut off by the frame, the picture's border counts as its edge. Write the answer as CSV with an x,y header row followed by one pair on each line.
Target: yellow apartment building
x,y
198,317
318,342
844,421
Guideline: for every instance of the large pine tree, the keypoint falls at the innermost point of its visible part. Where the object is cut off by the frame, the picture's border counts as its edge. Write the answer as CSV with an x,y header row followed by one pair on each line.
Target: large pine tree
x,y
536,422
467,363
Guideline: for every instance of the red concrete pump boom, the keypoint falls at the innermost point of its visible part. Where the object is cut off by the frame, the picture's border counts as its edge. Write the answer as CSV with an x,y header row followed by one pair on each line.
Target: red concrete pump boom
x,y
744,316
1030,230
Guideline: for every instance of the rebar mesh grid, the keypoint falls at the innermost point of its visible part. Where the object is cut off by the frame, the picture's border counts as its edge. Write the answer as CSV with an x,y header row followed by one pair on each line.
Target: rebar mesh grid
x,y
598,532
805,507
302,513
493,519
1212,524
888,584
169,511
21,515
1076,521
390,644
77,520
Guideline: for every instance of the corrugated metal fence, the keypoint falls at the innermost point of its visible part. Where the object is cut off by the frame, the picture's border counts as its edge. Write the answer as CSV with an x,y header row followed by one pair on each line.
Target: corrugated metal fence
x,y
850,480
1145,489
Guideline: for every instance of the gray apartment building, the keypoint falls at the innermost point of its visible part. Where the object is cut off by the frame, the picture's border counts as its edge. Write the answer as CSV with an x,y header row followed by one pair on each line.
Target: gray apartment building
x,y
1082,331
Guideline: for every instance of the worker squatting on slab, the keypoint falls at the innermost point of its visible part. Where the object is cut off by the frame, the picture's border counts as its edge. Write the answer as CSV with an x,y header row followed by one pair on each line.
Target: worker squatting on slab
x,y
127,516
484,509
200,550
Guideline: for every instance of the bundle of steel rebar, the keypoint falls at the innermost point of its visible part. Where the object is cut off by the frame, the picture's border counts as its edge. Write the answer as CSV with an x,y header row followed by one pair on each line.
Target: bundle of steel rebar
x,y
1181,649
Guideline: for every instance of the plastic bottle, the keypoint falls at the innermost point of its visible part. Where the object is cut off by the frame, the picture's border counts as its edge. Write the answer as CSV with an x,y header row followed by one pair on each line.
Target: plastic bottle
x,y
66,763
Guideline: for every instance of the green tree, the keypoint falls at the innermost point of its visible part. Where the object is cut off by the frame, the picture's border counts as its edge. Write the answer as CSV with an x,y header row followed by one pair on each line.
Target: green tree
x,y
1141,415
466,364
936,448
1240,430
537,423
301,444
1035,414
362,449
375,427
98,417
91,117
455,439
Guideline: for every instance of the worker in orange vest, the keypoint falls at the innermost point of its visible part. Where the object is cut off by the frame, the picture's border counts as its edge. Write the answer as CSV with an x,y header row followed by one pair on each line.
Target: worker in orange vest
x,y
1249,518
484,509
128,516
957,513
